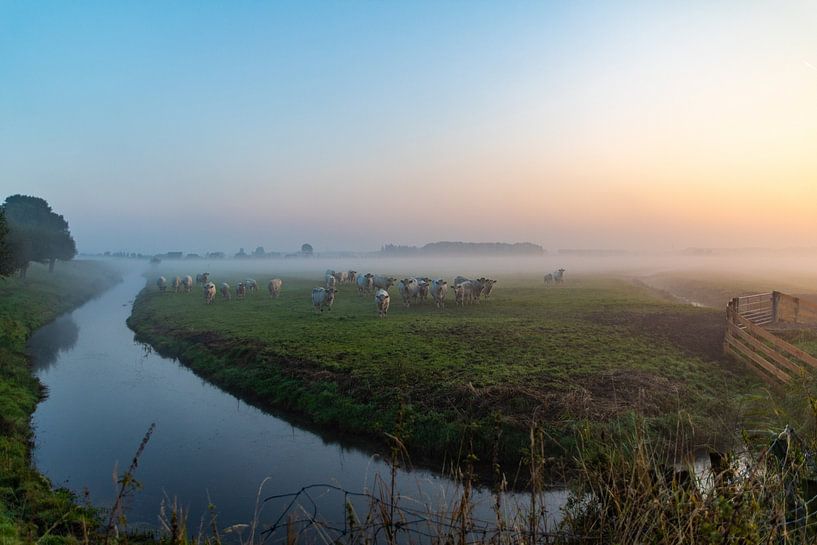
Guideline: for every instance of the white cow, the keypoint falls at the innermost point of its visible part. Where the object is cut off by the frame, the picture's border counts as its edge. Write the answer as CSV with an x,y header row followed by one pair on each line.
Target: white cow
x,y
381,299
202,278
487,287
408,288
341,276
411,289
323,298
559,276
480,286
364,283
439,288
548,278
225,291
209,293
331,281
251,285
240,290
187,283
177,284
473,288
274,287
425,284
459,294
161,283
352,276
383,282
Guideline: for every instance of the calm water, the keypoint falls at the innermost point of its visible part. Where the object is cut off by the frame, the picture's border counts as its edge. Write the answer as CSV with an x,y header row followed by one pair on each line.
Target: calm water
x,y
104,391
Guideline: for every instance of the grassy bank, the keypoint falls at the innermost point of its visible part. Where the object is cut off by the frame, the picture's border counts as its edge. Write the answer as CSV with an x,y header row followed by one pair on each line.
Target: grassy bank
x,y
591,352
29,509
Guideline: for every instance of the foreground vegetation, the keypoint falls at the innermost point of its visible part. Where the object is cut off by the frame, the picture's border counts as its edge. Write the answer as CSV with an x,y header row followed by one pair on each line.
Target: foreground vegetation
x,y
29,509
595,350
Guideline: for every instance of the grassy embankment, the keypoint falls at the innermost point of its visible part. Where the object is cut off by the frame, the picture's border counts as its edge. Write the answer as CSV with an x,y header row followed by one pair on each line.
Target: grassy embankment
x,y
29,509
595,350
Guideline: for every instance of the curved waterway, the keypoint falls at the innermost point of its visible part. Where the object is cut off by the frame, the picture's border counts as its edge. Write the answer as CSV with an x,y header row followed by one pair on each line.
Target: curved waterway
x,y
105,390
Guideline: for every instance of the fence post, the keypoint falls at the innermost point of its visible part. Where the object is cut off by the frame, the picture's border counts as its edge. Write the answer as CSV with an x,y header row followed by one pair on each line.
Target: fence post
x,y
775,305
796,309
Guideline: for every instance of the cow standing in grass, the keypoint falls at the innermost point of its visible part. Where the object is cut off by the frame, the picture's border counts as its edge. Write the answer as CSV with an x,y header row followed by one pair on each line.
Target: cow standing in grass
x,y
364,283
556,277
251,285
341,277
381,299
209,293
411,289
274,287
383,282
161,283
330,281
187,284
225,291
352,277
439,288
424,284
202,278
177,284
240,290
323,298
487,287
459,295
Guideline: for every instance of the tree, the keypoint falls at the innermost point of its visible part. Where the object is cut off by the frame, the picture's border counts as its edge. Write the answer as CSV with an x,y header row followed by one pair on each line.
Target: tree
x,y
306,249
37,233
259,252
7,263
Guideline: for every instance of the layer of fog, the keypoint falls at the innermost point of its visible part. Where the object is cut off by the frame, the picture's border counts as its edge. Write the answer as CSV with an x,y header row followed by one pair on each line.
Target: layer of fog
x,y
800,271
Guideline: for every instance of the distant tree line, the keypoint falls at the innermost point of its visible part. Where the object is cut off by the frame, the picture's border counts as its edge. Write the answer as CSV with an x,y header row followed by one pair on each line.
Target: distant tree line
x,y
30,231
465,248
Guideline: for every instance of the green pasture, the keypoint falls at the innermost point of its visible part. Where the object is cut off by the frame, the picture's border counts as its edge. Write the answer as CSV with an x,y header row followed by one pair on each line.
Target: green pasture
x,y
593,349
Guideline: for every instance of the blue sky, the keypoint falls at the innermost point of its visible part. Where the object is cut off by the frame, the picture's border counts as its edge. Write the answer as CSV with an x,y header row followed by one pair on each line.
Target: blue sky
x,y
210,125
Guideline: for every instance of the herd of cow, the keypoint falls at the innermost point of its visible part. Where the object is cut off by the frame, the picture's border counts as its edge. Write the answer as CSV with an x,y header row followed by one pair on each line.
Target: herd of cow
x,y
185,285
412,289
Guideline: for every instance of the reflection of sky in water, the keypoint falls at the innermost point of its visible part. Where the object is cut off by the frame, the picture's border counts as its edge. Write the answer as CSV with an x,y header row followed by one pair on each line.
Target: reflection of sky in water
x,y
105,390
48,342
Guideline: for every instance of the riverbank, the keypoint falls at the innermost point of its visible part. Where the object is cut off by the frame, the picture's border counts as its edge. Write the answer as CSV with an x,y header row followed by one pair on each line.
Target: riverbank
x,y
463,380
29,508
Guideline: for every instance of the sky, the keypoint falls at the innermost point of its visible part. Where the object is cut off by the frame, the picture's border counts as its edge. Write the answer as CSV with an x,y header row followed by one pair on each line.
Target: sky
x,y
208,126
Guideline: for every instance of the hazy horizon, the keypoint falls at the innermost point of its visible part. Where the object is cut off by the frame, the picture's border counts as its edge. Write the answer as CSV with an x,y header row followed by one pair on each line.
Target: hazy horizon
x,y
155,127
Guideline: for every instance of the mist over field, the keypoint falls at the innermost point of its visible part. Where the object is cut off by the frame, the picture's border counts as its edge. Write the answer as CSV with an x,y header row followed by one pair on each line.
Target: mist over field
x,y
770,267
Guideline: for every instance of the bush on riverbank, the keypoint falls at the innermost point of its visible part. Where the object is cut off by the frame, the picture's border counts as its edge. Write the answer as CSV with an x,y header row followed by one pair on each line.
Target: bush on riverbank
x,y
29,509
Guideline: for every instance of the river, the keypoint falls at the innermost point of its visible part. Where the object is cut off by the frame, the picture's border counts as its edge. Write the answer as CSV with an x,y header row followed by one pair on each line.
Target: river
x,y
105,390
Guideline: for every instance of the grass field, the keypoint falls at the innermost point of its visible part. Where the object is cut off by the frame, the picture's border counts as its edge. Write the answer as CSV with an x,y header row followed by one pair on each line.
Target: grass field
x,y
29,509
591,351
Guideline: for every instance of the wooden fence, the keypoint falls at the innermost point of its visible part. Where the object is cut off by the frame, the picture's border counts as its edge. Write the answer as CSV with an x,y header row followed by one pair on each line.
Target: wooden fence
x,y
750,341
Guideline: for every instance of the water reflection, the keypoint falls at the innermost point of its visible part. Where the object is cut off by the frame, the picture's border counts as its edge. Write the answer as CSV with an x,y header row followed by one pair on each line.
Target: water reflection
x,y
105,390
49,341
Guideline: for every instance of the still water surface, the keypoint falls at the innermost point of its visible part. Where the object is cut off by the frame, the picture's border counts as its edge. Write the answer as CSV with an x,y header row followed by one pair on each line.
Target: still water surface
x,y
104,391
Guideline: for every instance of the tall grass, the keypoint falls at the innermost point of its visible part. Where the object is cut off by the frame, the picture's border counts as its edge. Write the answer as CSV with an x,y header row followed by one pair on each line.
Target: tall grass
x,y
625,489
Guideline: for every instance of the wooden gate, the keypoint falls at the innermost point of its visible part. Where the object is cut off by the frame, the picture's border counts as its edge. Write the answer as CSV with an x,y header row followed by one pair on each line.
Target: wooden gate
x,y
774,359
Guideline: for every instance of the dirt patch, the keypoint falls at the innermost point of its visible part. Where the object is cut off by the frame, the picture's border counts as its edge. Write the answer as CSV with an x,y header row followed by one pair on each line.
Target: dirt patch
x,y
626,389
698,334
